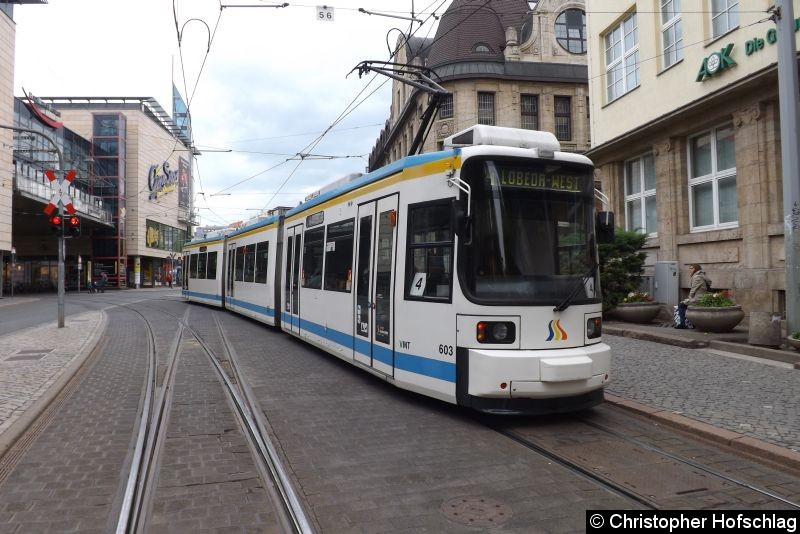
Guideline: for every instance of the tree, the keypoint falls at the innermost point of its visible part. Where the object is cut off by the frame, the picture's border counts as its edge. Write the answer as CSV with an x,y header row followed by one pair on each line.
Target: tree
x,y
621,266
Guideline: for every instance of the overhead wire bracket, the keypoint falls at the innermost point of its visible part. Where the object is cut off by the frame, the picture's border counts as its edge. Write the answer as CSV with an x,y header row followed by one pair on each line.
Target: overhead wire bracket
x,y
415,76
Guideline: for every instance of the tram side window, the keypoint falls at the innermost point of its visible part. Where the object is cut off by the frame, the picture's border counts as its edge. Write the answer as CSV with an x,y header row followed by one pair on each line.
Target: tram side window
x,y
249,262
238,274
339,256
262,253
211,266
429,260
312,258
193,266
201,265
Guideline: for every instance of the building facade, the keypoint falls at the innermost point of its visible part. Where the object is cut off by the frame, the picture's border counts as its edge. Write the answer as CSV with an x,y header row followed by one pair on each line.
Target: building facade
x,y
141,167
42,143
686,136
507,63
132,191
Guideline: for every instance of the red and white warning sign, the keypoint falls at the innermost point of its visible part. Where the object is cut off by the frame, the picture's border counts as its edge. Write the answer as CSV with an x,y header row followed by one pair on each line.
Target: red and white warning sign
x,y
61,192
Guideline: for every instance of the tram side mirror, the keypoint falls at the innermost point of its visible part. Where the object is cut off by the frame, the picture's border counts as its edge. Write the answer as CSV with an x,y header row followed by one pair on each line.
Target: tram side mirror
x,y
461,221
605,227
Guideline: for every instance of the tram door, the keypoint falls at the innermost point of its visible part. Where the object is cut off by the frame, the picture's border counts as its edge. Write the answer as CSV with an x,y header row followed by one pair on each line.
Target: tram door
x,y
231,254
373,343
291,288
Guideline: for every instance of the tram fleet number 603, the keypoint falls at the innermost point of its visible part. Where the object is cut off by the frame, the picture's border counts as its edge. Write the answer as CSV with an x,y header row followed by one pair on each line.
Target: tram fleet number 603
x,y
469,274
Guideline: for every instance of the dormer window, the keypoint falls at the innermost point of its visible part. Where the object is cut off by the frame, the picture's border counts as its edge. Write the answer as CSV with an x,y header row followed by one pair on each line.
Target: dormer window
x,y
571,31
482,48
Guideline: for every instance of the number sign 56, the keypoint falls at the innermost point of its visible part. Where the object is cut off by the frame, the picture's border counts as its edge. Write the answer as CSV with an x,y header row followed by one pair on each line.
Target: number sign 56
x,y
325,13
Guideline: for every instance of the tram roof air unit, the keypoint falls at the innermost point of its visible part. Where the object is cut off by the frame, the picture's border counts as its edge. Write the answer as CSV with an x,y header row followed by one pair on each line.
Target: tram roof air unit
x,y
333,185
544,142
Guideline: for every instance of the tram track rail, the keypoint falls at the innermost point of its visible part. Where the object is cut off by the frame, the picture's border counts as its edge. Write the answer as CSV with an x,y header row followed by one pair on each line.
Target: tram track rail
x,y
686,461
150,434
151,418
617,485
578,469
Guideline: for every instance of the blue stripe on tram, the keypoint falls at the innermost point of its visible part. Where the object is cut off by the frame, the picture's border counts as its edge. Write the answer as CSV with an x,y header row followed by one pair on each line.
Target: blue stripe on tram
x,y
404,362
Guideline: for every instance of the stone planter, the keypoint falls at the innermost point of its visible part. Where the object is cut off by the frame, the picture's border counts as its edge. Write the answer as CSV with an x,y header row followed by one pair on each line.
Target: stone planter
x,y
722,319
637,312
793,342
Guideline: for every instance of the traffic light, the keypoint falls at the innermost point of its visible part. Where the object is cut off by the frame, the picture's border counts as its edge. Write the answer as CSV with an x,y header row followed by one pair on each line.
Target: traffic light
x,y
73,226
57,224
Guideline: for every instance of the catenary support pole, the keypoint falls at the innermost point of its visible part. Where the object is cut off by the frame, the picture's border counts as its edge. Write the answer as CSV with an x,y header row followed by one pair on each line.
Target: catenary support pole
x,y
790,157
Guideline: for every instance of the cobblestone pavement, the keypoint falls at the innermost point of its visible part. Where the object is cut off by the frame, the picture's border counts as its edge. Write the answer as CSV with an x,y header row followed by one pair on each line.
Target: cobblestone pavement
x,y
756,398
207,479
69,477
368,457
33,360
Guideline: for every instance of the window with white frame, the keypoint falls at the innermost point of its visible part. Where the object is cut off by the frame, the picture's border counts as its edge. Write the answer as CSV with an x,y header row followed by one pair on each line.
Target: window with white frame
x,y
671,31
712,179
622,58
641,214
724,16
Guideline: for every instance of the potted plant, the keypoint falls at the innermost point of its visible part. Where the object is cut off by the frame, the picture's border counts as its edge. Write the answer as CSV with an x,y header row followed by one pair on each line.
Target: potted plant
x,y
715,312
794,340
637,307
621,267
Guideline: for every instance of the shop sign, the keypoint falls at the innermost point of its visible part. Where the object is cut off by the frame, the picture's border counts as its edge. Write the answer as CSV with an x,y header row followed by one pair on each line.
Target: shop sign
x,y
722,60
161,180
756,45
715,63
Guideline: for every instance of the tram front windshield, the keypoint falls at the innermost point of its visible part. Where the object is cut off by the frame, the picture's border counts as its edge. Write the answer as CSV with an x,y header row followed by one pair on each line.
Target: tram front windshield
x,y
532,233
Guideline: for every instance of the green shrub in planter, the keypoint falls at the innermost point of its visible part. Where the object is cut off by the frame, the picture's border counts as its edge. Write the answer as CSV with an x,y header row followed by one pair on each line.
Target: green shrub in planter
x,y
621,266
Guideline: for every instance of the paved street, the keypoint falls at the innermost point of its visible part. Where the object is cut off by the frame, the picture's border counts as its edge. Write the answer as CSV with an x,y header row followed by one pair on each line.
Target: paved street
x,y
367,456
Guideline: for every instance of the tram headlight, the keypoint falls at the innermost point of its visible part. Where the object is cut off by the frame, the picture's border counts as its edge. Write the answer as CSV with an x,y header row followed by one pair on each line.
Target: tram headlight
x,y
495,332
594,327
500,331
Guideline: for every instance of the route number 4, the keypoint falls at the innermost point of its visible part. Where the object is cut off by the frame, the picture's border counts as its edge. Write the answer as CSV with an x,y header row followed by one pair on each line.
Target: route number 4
x,y
325,13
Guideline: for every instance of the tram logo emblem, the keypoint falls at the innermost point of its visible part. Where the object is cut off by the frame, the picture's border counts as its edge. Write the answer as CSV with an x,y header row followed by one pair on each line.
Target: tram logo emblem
x,y
556,332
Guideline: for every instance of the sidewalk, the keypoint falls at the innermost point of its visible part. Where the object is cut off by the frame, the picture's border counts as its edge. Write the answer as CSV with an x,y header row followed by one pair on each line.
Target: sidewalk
x,y
713,385
36,363
735,341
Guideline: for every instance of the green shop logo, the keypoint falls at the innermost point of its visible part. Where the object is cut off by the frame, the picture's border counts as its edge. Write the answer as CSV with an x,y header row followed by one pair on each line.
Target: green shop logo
x,y
719,61
715,63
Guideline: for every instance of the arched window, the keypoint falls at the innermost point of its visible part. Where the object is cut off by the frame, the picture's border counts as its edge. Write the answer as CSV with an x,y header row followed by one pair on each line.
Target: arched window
x,y
482,48
571,31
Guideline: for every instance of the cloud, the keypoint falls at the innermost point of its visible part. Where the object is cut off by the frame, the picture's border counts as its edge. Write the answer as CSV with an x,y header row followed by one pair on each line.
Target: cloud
x,y
270,74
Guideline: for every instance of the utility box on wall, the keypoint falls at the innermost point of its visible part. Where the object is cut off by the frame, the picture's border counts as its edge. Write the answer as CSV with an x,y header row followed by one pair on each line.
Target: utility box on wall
x,y
667,282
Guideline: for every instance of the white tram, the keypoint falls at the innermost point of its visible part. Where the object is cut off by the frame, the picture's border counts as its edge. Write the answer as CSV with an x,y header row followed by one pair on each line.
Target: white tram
x,y
469,275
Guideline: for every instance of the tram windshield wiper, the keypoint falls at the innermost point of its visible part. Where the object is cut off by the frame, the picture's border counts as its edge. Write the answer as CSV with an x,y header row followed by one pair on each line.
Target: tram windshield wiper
x,y
564,304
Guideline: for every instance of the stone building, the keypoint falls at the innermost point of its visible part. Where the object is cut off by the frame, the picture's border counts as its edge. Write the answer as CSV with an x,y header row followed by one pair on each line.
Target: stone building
x,y
686,136
508,63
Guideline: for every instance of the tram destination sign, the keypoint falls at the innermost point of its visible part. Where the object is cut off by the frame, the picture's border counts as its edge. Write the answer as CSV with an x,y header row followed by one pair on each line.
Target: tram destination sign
x,y
560,180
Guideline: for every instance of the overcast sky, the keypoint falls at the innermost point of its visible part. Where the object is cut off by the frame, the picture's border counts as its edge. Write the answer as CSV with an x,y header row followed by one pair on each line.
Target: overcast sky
x,y
273,81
